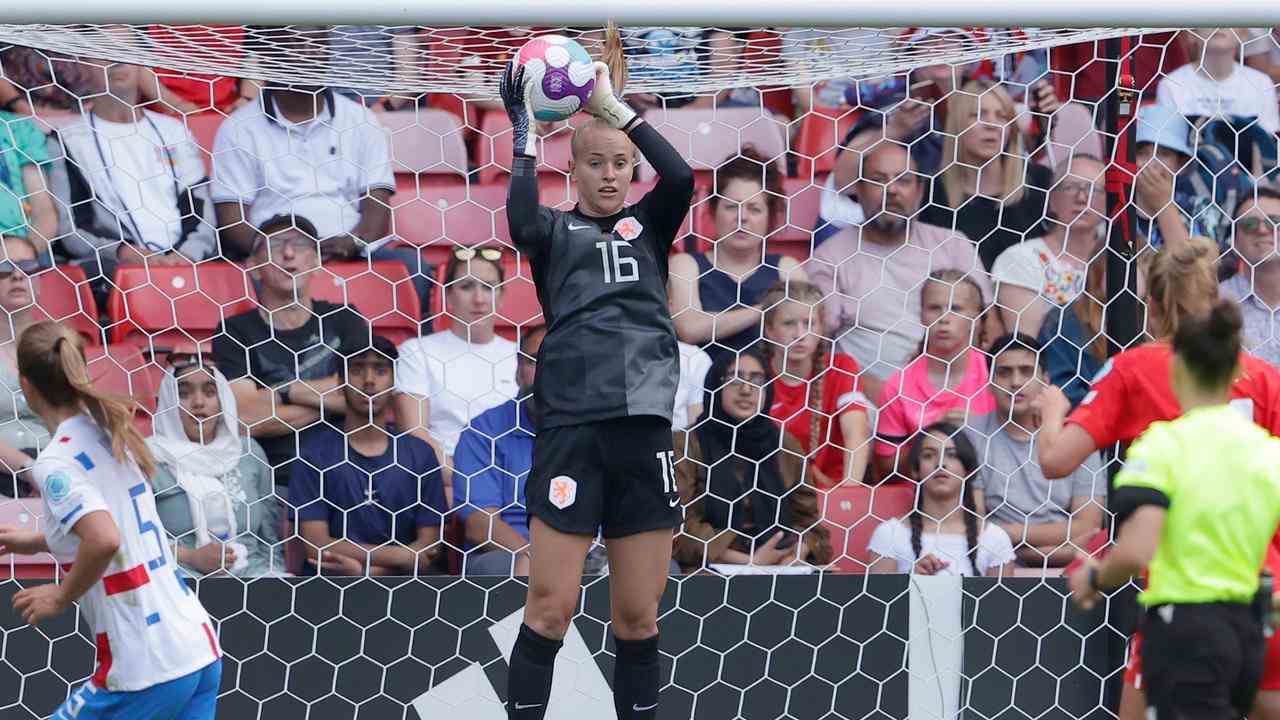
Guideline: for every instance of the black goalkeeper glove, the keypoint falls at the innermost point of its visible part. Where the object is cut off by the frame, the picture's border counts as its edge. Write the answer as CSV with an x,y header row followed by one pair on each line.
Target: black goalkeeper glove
x,y
515,98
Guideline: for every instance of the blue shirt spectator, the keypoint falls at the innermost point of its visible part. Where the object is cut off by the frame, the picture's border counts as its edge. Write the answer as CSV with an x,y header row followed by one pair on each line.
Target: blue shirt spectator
x,y
368,499
490,465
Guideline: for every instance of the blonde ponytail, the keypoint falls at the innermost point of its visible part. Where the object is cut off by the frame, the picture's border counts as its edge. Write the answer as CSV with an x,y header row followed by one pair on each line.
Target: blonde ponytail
x,y
1182,283
51,358
614,57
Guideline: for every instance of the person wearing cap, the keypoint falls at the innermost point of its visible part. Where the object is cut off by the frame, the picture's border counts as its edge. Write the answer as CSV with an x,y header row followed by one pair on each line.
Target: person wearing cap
x,y
282,357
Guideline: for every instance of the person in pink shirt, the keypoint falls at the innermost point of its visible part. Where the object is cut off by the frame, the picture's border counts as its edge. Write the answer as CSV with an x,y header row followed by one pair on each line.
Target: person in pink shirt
x,y
871,274
947,381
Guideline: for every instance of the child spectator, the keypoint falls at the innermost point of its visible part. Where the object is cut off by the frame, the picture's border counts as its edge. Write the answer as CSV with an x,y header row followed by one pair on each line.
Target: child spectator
x,y
871,274
816,395
1215,85
944,534
948,380
22,433
987,188
213,486
1050,270
1048,521
715,300
27,211
369,499
1256,288
450,376
741,478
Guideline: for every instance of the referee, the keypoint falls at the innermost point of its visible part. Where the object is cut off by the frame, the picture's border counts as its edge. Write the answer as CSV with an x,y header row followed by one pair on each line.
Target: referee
x,y
605,390
1197,504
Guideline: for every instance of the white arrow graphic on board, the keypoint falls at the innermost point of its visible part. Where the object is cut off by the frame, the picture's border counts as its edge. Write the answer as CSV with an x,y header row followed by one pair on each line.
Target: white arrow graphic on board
x,y
579,690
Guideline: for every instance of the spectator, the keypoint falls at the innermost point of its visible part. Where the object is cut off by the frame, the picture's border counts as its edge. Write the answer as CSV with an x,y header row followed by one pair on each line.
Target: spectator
x,y
1048,521
491,464
1074,339
369,498
1215,85
449,377
715,299
1167,174
27,211
22,432
1261,50
1050,270
694,364
1256,288
947,381
871,274
282,357
135,187
1082,67
803,48
811,386
308,151
676,56
741,478
987,188
944,534
213,487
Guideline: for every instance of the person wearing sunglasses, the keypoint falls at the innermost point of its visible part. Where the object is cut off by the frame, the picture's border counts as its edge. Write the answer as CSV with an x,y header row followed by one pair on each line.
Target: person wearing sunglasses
x,y
22,433
1256,288
448,377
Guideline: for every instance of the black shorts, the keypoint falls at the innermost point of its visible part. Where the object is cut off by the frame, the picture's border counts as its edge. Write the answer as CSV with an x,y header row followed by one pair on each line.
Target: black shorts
x,y
1202,662
614,476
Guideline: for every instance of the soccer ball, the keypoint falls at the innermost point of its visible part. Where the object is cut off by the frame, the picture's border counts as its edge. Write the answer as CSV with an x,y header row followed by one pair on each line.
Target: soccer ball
x,y
559,74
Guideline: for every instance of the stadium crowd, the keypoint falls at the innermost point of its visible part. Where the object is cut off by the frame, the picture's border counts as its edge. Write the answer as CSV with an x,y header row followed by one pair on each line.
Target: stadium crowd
x,y
871,320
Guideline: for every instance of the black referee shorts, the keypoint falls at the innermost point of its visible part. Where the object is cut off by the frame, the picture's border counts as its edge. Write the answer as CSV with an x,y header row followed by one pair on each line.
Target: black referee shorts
x,y
614,476
1202,662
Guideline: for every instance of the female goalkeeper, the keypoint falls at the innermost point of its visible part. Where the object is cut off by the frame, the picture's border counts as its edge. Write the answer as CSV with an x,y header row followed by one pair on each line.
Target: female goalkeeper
x,y
1133,390
1204,541
604,392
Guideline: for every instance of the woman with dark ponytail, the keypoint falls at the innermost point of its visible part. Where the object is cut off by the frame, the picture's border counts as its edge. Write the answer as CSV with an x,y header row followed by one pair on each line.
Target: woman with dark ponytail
x,y
156,650
1197,503
943,534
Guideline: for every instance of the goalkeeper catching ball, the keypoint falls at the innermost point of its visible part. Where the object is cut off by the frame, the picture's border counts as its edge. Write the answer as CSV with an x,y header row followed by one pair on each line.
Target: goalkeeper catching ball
x,y
604,391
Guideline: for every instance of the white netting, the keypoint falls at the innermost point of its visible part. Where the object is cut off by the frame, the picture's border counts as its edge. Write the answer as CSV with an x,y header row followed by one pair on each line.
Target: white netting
x,y
411,60
136,230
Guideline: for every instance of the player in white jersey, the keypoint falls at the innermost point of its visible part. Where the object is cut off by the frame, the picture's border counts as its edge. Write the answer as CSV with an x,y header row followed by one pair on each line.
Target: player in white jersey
x,y
157,657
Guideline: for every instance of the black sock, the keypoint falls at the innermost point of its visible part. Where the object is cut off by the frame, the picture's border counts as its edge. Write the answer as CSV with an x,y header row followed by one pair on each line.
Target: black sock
x,y
529,677
635,679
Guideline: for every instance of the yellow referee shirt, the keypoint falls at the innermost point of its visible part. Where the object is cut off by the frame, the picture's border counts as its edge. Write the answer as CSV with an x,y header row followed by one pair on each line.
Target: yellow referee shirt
x,y
1220,476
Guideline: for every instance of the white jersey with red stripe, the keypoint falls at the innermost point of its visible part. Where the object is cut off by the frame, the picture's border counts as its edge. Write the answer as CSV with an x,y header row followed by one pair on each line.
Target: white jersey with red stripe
x,y
149,627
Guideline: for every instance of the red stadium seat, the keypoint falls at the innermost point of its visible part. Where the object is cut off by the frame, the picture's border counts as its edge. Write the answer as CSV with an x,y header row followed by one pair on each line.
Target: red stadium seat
x,y
852,513
380,291
176,305
204,128
127,371
518,308
436,217
707,137
426,141
494,147
821,132
63,294
24,514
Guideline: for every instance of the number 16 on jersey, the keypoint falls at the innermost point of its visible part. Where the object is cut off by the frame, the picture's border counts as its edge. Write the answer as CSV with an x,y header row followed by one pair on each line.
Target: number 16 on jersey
x,y
624,268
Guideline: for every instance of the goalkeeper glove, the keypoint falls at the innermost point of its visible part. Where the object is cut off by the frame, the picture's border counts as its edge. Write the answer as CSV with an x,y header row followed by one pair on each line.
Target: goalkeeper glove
x,y
605,105
515,98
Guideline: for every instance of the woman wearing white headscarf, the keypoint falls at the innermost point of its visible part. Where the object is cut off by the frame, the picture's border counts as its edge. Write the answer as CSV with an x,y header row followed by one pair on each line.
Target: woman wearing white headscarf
x,y
213,486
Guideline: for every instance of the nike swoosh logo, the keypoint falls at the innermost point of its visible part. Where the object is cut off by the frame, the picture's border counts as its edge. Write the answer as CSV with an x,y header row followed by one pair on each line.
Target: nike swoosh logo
x,y
673,502
637,708
531,706
578,227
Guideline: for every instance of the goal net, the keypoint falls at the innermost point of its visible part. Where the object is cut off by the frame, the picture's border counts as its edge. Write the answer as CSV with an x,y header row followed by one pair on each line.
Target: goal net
x,y
875,209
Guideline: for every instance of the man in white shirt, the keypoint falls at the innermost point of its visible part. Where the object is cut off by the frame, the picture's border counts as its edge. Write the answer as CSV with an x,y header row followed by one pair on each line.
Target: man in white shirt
x,y
134,186
1216,85
309,152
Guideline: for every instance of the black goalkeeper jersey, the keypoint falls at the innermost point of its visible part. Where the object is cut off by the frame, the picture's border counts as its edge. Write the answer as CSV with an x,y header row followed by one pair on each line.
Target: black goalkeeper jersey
x,y
610,349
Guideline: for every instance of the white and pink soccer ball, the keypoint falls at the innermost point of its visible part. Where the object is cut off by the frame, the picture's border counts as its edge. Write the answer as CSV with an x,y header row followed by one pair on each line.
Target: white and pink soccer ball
x,y
559,74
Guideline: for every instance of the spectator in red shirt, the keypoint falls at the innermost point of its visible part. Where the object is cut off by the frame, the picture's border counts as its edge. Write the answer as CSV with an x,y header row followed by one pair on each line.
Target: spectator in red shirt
x,y
1132,391
812,385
